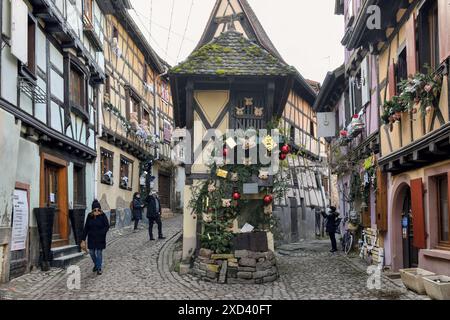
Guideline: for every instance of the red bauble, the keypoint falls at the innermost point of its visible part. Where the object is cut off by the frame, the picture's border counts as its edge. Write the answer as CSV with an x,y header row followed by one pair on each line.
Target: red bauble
x,y
236,196
285,149
268,199
225,152
283,156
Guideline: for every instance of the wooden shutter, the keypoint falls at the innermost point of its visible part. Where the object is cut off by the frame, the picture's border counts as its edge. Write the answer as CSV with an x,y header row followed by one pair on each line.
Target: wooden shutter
x,y
411,54
392,83
418,213
365,90
444,29
382,201
19,30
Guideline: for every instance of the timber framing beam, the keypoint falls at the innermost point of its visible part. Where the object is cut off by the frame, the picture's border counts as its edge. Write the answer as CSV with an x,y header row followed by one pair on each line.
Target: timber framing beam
x,y
432,148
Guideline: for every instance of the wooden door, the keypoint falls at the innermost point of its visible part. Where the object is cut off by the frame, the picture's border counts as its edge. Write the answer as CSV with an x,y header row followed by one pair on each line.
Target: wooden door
x,y
164,190
54,194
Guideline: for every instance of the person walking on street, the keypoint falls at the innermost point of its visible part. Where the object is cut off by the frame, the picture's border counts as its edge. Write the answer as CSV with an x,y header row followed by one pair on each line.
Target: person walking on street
x,y
331,221
137,208
95,230
154,214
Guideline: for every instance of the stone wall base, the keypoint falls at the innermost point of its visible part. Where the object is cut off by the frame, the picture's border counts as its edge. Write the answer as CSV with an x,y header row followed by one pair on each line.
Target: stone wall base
x,y
241,267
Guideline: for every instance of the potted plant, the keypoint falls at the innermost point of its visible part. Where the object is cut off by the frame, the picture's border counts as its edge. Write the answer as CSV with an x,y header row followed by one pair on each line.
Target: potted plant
x,y
108,178
413,279
356,126
124,182
423,89
437,287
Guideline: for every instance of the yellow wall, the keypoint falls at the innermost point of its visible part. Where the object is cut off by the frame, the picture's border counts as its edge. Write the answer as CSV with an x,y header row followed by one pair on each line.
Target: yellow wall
x,y
211,103
129,70
113,196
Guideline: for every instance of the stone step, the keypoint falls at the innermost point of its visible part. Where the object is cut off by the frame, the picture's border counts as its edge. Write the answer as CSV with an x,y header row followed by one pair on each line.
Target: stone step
x,y
64,251
166,213
67,260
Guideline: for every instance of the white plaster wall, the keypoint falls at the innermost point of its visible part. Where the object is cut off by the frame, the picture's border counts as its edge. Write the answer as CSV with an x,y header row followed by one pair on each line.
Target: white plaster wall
x,y
180,181
9,148
9,76
90,184
26,104
28,172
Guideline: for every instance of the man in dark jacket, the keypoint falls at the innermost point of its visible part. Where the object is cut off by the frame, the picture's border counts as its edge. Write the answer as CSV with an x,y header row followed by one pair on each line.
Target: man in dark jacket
x,y
331,219
154,215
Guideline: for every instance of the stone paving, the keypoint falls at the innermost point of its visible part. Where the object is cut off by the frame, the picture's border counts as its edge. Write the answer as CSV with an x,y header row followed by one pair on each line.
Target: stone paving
x,y
137,269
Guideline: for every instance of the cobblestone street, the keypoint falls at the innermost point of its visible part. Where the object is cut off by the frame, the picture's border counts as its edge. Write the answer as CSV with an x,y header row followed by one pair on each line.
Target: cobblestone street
x,y
138,269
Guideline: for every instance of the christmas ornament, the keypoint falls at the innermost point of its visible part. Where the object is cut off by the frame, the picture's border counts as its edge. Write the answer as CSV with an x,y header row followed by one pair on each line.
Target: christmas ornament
x,y
269,143
222,173
240,111
285,149
226,203
231,143
234,177
283,156
225,152
212,188
268,199
236,196
259,112
263,174
207,218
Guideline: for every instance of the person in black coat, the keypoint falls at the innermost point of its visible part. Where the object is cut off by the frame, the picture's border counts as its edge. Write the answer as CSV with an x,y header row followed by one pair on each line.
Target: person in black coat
x,y
154,215
137,208
331,220
95,230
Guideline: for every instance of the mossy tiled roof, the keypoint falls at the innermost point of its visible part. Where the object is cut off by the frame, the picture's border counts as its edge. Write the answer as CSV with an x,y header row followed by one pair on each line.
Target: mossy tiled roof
x,y
232,54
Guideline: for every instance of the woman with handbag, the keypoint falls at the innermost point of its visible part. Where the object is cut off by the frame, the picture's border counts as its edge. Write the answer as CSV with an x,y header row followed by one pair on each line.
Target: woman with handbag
x,y
95,230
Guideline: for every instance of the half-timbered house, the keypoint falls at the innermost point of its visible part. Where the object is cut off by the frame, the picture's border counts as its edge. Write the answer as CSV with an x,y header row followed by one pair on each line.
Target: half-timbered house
x,y
136,121
413,48
236,79
52,68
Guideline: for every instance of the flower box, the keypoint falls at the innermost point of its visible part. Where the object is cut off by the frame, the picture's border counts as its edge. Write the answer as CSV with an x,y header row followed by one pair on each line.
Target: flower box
x,y
356,127
437,287
413,279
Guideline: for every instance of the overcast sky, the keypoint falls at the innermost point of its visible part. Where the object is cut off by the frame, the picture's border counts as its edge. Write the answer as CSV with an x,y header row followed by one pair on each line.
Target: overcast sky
x,y
305,32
